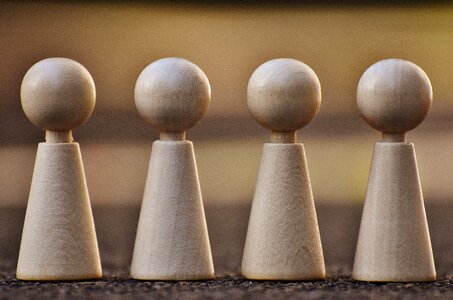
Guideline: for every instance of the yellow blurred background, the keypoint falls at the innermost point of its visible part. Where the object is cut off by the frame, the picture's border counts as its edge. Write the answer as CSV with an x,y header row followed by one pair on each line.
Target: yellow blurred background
x,y
115,41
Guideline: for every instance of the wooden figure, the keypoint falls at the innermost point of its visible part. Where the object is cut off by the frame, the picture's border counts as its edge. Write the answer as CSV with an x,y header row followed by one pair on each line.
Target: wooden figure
x,y
58,240
283,241
172,243
394,96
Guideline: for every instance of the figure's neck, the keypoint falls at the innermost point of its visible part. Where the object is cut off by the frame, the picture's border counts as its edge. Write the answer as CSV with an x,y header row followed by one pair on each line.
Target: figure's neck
x,y
279,137
173,136
59,136
394,137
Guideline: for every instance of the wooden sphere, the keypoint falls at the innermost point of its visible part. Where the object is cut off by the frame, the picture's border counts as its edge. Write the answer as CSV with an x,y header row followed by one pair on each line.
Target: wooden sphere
x,y
394,95
172,94
58,94
284,95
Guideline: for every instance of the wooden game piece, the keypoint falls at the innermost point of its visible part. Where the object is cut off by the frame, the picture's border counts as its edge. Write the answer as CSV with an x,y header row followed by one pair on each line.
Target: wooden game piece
x,y
58,239
283,241
394,245
172,241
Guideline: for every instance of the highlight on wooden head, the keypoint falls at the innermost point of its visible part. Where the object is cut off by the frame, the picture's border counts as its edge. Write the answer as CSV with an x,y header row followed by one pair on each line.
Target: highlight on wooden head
x,y
284,95
58,94
394,96
172,94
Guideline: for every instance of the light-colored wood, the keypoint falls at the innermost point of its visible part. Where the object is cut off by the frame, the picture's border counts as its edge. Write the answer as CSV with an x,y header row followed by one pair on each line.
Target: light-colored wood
x,y
58,240
172,136
284,95
394,95
283,241
172,240
394,137
283,137
58,94
394,245
394,242
59,136
172,94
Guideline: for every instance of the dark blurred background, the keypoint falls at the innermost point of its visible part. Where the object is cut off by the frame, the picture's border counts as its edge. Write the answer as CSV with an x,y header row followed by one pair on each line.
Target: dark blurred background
x,y
228,40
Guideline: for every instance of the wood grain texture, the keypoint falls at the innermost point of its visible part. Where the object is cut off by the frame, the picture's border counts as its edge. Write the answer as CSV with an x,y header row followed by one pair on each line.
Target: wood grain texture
x,y
338,221
172,94
58,94
283,95
59,240
283,241
394,242
172,240
394,95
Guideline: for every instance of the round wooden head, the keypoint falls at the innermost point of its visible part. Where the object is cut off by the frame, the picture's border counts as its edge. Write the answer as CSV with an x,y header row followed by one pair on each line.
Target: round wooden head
x,y
172,94
58,94
394,96
284,95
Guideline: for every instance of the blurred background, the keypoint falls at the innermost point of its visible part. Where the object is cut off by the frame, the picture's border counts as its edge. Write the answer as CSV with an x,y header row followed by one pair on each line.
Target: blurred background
x,y
228,40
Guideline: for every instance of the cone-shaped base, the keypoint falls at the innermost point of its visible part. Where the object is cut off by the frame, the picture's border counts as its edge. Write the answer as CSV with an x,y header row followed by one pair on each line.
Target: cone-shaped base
x,y
58,240
172,239
394,243
283,241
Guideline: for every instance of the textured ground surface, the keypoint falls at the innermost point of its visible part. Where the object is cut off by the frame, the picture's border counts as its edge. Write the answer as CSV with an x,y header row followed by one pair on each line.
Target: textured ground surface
x,y
116,230
224,288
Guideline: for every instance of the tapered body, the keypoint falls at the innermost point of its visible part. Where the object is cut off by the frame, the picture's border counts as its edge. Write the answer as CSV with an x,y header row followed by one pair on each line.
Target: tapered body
x,y
172,240
59,239
394,242
283,241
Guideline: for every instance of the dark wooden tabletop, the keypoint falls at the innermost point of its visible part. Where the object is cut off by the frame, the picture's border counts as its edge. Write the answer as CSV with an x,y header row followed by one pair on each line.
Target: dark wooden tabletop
x,y
339,224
